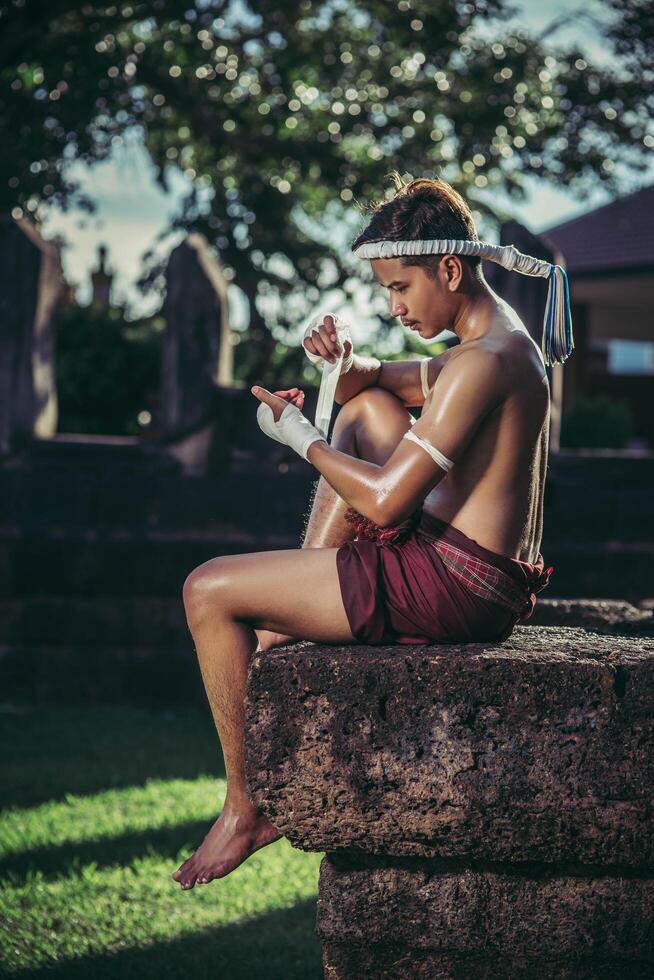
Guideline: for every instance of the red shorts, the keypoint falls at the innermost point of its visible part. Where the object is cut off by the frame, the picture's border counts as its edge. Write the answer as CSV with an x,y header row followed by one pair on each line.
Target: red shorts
x,y
402,591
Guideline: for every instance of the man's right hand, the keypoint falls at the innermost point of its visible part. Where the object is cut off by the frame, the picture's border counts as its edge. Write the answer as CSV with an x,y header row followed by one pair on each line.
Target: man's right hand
x,y
323,342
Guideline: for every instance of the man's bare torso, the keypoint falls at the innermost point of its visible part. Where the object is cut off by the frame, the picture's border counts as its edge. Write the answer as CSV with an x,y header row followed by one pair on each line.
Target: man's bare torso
x,y
494,493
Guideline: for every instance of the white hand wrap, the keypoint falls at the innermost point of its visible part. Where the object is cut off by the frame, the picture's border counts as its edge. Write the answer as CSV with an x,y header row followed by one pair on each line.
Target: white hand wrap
x,y
330,372
293,428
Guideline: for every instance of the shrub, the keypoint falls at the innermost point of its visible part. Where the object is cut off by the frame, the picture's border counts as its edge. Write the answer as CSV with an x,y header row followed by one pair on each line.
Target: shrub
x,y
597,422
107,370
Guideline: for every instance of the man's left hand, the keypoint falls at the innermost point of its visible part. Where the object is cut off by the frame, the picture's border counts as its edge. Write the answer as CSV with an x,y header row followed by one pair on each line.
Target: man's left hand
x,y
279,401
293,429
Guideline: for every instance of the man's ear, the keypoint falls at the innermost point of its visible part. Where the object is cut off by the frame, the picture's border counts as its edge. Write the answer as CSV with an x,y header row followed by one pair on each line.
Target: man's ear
x,y
452,269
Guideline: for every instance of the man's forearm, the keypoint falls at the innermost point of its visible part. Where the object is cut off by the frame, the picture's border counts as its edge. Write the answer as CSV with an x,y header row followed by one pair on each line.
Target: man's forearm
x,y
364,373
355,480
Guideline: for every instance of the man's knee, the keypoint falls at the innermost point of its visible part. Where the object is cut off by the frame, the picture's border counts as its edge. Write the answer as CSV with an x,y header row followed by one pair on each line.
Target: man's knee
x,y
377,419
371,403
201,590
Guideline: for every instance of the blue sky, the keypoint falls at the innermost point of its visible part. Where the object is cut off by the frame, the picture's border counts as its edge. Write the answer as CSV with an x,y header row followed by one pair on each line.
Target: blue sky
x,y
132,209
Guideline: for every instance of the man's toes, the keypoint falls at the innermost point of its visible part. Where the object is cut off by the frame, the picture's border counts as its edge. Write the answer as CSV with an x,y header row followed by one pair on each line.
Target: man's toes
x,y
210,875
206,876
182,871
186,874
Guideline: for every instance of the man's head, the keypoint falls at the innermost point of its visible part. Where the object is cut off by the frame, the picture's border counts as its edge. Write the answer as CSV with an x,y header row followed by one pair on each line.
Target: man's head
x,y
424,288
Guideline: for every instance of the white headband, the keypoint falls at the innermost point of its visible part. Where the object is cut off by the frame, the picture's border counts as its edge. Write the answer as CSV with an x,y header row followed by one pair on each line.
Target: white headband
x,y
558,342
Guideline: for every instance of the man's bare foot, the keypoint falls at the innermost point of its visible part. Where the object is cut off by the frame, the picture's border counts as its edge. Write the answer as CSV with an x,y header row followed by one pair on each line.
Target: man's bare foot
x,y
233,837
268,640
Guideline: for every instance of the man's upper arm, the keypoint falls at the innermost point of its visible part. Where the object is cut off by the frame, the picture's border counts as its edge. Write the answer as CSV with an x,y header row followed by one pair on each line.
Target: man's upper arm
x,y
403,379
467,390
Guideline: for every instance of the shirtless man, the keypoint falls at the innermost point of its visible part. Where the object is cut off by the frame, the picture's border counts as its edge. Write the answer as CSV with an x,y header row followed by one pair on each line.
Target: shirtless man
x,y
487,410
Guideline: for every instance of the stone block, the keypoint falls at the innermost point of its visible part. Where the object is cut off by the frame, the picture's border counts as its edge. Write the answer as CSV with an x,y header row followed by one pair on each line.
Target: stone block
x,y
537,749
535,913
600,615
388,962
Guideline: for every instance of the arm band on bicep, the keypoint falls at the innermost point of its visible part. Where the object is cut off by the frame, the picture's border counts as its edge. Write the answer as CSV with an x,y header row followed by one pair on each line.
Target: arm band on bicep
x,y
444,463
424,367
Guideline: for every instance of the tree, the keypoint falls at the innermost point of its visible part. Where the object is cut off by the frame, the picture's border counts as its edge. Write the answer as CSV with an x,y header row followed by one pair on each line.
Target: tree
x,y
107,370
299,112
631,34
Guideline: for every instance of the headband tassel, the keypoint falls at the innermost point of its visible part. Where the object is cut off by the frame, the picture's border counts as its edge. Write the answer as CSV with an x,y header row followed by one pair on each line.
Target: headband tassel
x,y
557,330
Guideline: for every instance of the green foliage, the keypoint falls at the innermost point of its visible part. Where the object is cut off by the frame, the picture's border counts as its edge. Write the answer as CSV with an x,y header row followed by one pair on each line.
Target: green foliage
x,y
597,422
107,370
300,111
324,103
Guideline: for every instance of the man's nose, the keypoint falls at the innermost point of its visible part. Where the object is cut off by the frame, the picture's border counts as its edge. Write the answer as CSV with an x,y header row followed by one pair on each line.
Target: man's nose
x,y
398,309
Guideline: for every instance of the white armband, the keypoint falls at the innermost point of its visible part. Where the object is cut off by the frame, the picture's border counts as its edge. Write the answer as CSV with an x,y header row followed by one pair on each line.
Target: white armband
x,y
424,367
444,463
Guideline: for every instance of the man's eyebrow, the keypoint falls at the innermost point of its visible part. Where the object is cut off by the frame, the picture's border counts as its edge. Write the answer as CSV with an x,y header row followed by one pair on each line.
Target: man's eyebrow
x,y
396,282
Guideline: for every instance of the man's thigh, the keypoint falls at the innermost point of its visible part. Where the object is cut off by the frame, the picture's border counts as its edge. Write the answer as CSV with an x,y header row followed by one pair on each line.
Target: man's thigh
x,y
293,592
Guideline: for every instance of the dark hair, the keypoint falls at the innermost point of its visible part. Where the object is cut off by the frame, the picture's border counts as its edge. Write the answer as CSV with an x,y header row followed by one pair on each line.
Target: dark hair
x,y
423,208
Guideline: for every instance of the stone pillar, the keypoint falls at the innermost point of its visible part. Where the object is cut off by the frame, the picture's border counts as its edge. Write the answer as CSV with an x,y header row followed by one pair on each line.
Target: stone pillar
x,y
485,810
101,279
31,287
197,349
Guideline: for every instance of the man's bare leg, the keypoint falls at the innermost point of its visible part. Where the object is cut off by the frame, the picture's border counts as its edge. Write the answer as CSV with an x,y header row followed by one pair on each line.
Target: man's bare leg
x,y
372,431
240,829
221,598
225,599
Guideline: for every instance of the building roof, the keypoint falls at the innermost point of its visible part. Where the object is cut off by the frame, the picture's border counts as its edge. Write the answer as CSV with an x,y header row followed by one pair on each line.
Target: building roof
x,y
617,237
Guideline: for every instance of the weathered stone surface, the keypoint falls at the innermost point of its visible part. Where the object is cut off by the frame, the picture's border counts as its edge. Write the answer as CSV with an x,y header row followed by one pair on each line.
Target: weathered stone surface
x,y
197,352
611,615
342,961
477,912
537,749
31,287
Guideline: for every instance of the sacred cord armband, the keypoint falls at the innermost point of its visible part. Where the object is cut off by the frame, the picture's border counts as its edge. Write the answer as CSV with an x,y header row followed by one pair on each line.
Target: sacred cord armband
x,y
438,457
424,381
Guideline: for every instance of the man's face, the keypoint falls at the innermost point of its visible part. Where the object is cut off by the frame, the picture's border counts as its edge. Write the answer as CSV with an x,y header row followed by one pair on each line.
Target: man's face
x,y
413,296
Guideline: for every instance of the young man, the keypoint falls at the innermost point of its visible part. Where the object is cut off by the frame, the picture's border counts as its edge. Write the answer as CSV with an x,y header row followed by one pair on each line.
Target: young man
x,y
447,512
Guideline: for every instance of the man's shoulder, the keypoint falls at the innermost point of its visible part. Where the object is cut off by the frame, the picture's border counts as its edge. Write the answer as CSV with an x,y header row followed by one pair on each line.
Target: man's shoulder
x,y
514,357
473,378
472,358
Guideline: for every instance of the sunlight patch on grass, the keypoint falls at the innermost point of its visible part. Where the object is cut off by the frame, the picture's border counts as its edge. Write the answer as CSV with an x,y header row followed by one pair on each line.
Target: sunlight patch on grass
x,y
111,813
116,908
104,907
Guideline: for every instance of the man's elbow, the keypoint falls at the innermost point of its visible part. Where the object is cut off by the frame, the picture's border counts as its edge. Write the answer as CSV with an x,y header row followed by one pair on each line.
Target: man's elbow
x,y
388,514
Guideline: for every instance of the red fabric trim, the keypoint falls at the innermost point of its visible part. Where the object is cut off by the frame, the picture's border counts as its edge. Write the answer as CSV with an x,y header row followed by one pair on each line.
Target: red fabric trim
x,y
370,531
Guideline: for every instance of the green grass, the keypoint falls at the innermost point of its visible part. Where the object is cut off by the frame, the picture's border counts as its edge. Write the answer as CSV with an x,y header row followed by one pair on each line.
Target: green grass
x,y
100,806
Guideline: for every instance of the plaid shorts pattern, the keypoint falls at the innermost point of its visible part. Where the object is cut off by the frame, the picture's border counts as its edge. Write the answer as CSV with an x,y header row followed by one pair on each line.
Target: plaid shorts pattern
x,y
483,579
